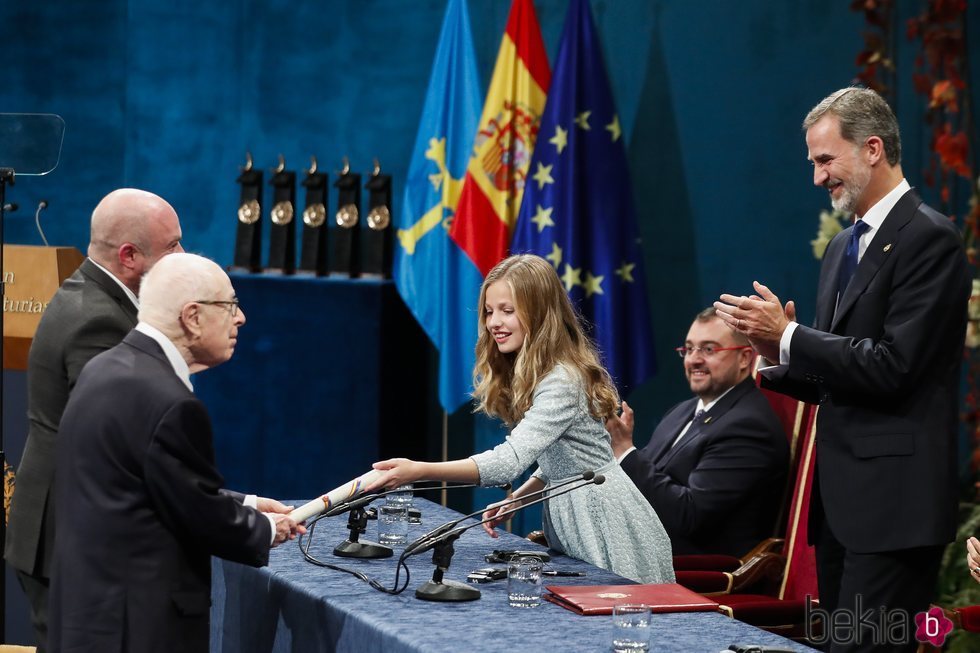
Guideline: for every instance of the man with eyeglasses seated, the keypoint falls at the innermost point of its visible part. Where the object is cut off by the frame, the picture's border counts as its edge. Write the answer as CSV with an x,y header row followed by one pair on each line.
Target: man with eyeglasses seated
x,y
141,507
715,467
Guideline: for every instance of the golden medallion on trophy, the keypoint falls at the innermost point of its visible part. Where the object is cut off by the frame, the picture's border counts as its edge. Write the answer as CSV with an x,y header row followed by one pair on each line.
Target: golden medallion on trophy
x,y
282,213
347,216
379,218
249,212
315,215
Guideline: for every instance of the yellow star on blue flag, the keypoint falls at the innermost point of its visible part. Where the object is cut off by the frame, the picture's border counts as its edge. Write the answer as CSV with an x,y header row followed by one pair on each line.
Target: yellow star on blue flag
x,y
592,237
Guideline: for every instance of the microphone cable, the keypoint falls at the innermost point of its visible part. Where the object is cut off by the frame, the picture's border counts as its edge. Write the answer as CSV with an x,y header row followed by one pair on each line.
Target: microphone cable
x,y
395,589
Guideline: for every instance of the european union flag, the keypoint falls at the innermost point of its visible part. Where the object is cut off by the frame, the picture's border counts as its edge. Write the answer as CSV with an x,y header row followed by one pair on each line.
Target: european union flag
x,y
578,207
438,282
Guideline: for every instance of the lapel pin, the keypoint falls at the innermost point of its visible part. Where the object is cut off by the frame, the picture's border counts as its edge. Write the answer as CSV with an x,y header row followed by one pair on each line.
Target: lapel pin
x,y
707,420
886,247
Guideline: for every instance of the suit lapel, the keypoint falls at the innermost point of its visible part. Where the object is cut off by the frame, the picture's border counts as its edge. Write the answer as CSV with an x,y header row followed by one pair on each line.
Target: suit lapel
x,y
92,272
827,290
881,247
669,433
711,419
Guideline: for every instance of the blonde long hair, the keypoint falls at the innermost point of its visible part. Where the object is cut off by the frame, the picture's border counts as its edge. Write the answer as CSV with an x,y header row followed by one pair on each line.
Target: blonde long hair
x,y
505,383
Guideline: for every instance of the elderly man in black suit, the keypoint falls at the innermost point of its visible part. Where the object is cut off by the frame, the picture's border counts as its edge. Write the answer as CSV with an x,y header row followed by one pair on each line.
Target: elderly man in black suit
x,y
715,467
141,507
95,307
883,360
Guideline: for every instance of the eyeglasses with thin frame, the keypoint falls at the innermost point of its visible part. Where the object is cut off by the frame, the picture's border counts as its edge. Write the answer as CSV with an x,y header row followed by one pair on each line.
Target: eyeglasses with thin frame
x,y
707,351
233,303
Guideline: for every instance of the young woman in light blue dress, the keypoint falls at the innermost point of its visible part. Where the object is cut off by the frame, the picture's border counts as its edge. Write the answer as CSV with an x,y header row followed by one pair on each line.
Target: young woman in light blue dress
x,y
536,370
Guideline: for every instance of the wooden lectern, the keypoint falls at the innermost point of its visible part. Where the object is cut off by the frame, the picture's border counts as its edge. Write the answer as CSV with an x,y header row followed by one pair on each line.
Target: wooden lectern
x,y
31,276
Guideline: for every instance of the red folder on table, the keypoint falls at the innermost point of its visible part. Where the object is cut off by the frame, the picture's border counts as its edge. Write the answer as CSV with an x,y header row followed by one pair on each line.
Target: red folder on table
x,y
600,599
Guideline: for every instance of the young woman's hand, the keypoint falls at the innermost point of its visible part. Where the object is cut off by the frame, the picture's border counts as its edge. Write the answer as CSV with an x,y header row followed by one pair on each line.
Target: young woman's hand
x,y
394,472
499,514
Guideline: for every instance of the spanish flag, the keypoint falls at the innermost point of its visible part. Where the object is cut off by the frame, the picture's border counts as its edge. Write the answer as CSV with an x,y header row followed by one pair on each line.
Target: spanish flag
x,y
498,167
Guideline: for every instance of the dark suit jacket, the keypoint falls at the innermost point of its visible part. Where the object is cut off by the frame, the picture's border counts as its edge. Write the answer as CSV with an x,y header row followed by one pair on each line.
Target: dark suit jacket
x,y
140,510
89,314
719,490
886,371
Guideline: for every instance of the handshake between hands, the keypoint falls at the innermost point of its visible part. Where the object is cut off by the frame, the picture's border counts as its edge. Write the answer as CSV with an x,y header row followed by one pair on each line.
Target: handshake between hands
x,y
286,527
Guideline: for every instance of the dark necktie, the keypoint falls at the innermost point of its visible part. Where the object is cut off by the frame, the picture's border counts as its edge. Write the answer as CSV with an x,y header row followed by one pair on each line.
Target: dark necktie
x,y
850,262
698,417
692,429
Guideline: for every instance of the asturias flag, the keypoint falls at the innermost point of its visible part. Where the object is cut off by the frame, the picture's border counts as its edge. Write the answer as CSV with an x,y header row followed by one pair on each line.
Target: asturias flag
x,y
438,282
578,209
497,172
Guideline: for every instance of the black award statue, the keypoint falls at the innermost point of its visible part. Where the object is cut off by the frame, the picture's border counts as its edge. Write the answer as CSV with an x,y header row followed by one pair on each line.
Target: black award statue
x,y
248,238
282,239
344,234
376,256
313,255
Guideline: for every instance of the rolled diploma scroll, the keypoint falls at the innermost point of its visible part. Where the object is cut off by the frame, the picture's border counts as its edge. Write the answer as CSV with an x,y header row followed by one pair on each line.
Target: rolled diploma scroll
x,y
335,496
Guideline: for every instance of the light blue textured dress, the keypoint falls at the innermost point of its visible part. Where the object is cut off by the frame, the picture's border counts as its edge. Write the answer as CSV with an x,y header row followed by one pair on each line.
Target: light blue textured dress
x,y
610,525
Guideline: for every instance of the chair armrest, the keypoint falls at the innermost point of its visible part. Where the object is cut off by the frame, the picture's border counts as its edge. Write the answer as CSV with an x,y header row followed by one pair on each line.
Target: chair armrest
x,y
771,545
763,573
706,562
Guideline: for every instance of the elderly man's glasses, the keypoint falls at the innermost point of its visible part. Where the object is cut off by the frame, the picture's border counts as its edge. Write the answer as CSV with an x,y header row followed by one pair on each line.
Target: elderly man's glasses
x,y
707,351
233,303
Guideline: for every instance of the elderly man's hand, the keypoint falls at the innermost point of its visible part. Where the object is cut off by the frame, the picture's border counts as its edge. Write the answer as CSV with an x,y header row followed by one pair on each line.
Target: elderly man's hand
x,y
271,505
761,318
620,428
286,528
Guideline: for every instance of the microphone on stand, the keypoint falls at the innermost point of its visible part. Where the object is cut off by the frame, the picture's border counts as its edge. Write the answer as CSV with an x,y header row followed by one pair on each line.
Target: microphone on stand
x,y
438,589
357,524
43,204
439,530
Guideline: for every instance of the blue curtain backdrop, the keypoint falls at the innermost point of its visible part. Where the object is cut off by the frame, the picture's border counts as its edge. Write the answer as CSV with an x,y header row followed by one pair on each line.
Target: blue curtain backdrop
x,y
169,96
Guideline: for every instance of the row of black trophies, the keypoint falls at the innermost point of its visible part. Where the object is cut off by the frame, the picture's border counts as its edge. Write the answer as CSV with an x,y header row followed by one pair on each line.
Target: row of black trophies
x,y
345,247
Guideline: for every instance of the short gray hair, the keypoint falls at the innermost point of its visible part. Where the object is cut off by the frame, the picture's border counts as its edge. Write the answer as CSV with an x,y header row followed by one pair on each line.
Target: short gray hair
x,y
862,113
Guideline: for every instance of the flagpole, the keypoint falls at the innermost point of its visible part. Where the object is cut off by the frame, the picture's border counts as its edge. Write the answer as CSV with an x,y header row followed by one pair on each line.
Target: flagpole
x,y
445,448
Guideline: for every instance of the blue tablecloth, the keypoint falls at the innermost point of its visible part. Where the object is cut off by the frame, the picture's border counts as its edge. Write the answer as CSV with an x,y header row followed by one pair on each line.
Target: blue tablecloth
x,y
293,606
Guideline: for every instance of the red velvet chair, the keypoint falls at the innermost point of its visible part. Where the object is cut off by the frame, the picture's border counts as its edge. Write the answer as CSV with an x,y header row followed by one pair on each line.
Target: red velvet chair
x,y
771,589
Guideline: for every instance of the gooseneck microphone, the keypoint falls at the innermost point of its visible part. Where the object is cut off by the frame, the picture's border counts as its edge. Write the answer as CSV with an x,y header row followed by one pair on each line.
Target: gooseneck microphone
x,y
438,589
352,547
439,530
43,204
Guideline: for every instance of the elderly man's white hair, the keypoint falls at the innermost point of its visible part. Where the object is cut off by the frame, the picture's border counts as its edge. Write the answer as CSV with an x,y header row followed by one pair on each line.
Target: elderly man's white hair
x,y
173,282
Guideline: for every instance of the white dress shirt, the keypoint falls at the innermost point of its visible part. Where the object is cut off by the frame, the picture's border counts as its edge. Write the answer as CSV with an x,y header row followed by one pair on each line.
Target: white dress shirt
x,y
874,217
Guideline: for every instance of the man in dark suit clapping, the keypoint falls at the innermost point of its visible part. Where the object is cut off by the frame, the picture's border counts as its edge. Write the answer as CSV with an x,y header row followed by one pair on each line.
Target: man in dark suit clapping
x,y
883,360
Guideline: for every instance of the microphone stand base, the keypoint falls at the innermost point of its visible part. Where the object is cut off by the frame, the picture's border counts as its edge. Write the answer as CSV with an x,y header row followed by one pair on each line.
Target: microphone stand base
x,y
348,549
448,591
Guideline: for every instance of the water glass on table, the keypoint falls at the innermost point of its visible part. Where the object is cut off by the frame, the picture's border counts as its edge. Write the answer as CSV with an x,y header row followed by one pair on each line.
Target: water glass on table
x,y
393,517
524,582
401,494
631,628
